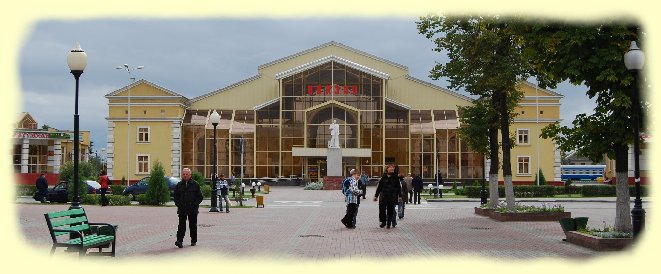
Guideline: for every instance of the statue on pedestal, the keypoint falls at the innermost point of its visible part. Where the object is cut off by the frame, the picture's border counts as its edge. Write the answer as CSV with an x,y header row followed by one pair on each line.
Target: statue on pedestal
x,y
335,135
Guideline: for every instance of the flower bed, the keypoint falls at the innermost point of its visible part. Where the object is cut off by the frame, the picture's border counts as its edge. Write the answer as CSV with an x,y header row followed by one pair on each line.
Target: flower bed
x,y
523,213
597,243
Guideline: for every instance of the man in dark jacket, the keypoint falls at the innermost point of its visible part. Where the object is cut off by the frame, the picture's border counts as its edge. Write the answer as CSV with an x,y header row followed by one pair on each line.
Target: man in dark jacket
x,y
417,188
387,193
42,188
187,197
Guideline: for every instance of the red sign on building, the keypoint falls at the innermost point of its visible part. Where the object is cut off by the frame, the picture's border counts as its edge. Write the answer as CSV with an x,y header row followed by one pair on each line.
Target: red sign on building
x,y
332,89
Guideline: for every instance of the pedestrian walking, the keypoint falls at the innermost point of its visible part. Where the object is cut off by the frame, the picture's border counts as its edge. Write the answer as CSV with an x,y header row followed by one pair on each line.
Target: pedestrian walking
x,y
409,186
387,193
417,188
187,198
42,188
223,190
403,198
352,197
363,183
103,181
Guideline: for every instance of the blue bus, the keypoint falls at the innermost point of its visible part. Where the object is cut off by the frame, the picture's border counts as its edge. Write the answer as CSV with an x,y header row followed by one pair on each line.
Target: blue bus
x,y
582,172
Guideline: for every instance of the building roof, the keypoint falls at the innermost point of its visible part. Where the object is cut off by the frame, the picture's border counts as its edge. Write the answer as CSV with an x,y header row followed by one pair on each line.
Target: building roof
x,y
332,43
327,59
198,98
543,89
143,81
453,93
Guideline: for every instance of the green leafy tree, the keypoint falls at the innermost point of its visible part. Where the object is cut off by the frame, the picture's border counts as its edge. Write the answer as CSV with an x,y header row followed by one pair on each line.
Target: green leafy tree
x,y
485,59
157,191
591,54
86,171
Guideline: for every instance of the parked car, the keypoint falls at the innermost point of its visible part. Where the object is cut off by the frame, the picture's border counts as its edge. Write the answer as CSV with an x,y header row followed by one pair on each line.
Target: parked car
x,y
60,192
141,186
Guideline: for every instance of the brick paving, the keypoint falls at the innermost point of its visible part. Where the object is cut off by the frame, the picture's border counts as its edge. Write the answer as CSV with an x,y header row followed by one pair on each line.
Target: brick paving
x,y
296,223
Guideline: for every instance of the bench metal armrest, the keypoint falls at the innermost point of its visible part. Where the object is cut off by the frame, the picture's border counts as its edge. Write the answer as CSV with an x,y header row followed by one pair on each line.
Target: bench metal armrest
x,y
99,225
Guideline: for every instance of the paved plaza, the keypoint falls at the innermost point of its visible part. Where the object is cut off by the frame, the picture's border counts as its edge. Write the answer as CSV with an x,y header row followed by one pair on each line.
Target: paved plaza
x,y
305,224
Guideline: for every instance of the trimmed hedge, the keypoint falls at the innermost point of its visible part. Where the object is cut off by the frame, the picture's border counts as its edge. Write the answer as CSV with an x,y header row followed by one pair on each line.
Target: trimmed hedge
x,y
25,190
550,191
117,189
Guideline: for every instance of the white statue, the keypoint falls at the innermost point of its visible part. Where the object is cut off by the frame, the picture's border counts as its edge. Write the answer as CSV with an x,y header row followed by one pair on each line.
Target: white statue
x,y
335,135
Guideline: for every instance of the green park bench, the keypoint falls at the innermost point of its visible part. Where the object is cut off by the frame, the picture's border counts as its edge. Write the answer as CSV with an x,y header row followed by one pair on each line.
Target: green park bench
x,y
82,234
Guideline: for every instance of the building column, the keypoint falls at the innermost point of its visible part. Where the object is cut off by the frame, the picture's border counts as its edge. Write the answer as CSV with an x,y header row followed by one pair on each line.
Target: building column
x,y
176,149
110,149
25,155
57,156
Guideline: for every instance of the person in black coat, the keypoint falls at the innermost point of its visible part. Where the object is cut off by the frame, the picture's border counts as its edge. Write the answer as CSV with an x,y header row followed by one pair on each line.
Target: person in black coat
x,y
187,197
417,188
42,188
387,193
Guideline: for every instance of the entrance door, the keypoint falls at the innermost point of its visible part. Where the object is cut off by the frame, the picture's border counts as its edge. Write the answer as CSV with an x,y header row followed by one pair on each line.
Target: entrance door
x,y
313,173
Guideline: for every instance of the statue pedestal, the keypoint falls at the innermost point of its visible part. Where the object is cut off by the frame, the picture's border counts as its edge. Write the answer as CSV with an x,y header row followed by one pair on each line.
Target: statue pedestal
x,y
334,176
334,162
333,182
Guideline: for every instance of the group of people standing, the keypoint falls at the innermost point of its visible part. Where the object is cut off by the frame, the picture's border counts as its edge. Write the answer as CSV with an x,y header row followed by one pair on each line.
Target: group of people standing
x,y
393,190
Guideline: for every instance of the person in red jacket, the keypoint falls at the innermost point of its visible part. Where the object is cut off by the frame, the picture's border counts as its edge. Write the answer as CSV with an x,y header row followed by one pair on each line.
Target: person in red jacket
x,y
103,180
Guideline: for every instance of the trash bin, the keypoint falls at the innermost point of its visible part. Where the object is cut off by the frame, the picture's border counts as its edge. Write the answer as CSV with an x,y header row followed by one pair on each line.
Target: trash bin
x,y
266,188
260,200
581,223
568,224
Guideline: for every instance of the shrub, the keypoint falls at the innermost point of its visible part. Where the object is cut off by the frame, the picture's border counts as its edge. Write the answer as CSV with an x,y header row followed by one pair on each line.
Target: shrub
x,y
542,180
598,191
206,190
118,200
643,191
25,190
199,178
141,199
123,181
117,189
454,185
157,191
86,171
82,190
90,200
459,191
314,186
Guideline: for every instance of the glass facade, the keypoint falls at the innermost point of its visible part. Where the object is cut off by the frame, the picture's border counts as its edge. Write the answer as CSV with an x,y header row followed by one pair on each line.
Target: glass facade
x,y
419,141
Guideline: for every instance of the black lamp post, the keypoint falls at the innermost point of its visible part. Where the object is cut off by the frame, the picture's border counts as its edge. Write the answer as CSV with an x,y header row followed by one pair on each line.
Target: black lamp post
x,y
77,61
214,118
634,60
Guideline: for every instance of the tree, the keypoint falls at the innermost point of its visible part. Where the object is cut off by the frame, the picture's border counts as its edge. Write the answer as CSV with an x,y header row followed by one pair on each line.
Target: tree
x,y
479,118
590,54
158,192
485,59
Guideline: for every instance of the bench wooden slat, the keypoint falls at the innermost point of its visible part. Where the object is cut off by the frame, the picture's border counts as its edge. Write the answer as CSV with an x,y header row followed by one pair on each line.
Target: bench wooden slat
x,y
60,222
92,240
63,213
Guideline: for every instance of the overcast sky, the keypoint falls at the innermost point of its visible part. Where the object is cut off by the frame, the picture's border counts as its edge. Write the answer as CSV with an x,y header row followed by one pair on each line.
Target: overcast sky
x,y
194,57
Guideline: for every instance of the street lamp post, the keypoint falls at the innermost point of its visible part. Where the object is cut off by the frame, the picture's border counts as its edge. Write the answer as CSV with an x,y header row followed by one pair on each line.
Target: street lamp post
x,y
214,118
128,121
77,61
634,60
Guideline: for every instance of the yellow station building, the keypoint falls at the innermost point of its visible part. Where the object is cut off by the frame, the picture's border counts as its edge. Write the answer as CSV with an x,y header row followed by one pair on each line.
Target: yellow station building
x,y
276,123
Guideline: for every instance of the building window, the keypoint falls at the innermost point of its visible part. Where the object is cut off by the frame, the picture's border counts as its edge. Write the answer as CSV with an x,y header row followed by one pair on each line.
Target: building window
x,y
523,136
541,112
143,164
143,134
523,165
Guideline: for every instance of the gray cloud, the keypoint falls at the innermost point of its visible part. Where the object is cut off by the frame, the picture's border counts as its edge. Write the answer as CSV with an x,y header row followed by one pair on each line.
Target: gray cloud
x,y
194,57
